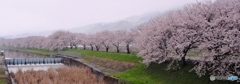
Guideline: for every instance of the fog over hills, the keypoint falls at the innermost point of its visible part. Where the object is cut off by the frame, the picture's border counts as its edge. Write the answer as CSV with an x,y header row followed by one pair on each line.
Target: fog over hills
x,y
125,24
44,33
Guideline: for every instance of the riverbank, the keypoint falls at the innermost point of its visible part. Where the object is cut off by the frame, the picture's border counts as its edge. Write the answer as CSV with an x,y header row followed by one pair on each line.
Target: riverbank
x,y
140,74
154,73
35,51
3,77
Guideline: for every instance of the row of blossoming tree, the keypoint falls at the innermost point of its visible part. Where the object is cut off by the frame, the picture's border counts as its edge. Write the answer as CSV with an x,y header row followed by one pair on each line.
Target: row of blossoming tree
x,y
211,29
62,39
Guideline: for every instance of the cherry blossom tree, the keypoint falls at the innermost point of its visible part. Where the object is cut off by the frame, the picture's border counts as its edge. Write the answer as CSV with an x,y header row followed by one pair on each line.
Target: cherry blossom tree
x,y
128,39
90,41
106,38
96,40
221,40
210,27
153,40
60,40
73,36
36,42
117,39
81,39
188,34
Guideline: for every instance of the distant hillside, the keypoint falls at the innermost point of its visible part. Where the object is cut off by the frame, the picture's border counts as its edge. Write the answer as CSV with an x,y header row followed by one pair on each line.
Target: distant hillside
x,y
108,26
126,24
46,33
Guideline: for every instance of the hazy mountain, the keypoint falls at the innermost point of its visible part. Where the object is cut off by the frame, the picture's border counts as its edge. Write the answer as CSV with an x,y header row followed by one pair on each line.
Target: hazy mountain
x,y
125,24
103,26
45,33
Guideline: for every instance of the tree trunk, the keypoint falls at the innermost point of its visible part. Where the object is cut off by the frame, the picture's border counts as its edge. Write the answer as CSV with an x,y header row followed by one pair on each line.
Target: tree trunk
x,y
117,46
97,48
183,58
184,61
128,50
92,48
118,50
185,51
84,47
71,47
107,49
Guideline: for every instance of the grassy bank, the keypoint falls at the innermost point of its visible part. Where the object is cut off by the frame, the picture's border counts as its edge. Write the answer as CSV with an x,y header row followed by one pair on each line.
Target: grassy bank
x,y
118,66
36,51
3,77
109,55
43,52
156,74
153,74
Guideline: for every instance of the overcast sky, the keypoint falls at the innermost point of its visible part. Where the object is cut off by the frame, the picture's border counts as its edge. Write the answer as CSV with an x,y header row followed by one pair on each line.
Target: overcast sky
x,y
21,16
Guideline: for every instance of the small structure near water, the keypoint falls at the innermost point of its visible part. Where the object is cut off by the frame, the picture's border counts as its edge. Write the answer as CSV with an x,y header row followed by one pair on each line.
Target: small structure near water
x,y
26,61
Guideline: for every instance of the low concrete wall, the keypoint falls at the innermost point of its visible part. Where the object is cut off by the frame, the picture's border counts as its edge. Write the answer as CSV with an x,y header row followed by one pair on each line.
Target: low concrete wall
x,y
109,80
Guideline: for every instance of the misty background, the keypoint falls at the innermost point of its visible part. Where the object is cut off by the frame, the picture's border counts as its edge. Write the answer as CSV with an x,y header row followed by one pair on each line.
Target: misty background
x,y
21,18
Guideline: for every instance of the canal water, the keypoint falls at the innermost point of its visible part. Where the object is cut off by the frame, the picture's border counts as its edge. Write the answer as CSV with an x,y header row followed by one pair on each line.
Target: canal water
x,y
17,54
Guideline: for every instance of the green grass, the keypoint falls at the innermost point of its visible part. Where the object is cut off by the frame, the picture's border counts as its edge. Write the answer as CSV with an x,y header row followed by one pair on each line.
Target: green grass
x,y
156,74
43,52
109,55
2,81
3,77
36,51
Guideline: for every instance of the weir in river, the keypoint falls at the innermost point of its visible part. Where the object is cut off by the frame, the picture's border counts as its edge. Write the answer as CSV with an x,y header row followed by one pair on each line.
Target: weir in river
x,y
36,61
24,64
16,60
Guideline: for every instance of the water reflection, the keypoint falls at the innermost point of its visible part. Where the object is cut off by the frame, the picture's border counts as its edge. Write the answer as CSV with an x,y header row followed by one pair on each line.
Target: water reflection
x,y
18,54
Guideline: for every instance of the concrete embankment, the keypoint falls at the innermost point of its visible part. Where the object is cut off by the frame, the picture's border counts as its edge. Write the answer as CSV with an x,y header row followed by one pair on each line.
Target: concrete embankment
x,y
109,80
